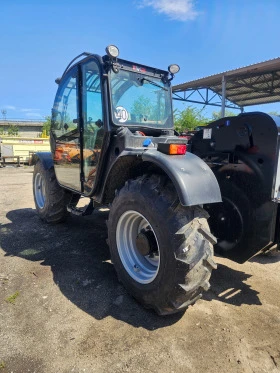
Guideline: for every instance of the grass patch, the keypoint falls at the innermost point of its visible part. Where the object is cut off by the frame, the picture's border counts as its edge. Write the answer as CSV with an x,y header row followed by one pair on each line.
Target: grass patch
x,y
2,365
12,298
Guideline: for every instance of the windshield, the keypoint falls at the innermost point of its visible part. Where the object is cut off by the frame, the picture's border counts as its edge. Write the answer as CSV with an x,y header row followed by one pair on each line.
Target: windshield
x,y
140,100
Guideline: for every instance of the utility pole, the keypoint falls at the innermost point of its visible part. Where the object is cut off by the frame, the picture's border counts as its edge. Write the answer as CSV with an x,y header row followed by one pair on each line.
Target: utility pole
x,y
4,113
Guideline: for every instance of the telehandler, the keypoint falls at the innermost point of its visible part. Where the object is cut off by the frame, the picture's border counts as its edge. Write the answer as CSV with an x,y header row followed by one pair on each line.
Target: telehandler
x,y
112,140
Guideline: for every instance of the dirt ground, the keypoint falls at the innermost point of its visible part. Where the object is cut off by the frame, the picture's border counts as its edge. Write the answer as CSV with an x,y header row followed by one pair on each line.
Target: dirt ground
x,y
62,309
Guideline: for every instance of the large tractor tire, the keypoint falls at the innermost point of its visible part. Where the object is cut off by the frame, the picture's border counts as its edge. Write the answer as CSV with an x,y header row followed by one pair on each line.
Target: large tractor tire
x,y
161,250
50,199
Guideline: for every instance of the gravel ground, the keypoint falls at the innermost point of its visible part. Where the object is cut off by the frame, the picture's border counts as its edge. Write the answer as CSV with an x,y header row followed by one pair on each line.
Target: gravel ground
x,y
62,309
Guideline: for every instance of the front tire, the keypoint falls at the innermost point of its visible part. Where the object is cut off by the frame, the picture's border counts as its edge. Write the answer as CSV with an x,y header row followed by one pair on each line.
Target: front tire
x,y
50,199
162,251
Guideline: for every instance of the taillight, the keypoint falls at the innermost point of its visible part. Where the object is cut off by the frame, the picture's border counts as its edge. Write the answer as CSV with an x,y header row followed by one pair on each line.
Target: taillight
x,y
177,149
172,149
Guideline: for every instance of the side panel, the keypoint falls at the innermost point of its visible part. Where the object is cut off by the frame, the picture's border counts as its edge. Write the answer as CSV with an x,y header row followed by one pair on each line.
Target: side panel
x,y
193,179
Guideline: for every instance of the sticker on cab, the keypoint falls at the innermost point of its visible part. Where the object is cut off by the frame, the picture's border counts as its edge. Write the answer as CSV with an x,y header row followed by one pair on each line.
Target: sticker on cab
x,y
121,114
207,133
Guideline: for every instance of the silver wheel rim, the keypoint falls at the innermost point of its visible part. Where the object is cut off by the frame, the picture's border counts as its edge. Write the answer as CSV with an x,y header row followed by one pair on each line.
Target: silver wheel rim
x,y
40,192
142,269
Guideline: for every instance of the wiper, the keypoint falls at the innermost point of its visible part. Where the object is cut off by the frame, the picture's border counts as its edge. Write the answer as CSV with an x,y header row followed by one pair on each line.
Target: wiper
x,y
153,83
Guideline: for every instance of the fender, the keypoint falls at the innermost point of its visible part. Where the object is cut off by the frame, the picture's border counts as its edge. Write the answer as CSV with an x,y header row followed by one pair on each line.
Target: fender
x,y
193,179
45,158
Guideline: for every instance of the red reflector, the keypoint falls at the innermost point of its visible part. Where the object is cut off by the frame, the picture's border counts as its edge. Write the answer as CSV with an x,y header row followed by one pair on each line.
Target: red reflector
x,y
177,149
173,149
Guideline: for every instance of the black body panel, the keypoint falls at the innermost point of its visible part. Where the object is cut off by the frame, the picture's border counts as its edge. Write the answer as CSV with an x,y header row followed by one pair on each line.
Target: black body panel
x,y
242,152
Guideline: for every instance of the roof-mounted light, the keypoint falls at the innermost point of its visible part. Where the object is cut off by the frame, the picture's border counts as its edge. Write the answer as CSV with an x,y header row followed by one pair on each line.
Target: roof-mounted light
x,y
112,51
173,69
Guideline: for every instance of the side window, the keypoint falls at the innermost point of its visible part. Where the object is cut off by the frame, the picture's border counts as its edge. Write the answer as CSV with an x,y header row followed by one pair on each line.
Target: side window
x,y
65,113
65,133
92,93
93,122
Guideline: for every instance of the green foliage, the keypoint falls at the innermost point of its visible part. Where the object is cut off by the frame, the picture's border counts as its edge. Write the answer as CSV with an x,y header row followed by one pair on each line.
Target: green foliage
x,y
2,365
47,126
142,106
217,114
188,119
12,298
274,113
12,130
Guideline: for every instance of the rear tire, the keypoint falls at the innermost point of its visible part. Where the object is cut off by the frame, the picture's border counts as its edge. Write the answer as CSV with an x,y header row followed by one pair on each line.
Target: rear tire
x,y
147,215
50,199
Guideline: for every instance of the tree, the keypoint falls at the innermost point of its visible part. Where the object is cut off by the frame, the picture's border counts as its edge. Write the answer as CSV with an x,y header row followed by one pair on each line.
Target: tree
x,y
142,106
4,113
217,114
188,119
12,130
46,126
274,113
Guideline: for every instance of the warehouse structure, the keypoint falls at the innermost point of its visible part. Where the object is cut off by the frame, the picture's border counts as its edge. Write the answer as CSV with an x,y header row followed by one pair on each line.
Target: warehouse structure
x,y
250,85
26,128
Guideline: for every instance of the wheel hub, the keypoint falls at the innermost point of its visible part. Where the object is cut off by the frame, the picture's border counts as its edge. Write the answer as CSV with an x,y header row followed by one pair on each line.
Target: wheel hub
x,y
146,243
138,247
39,189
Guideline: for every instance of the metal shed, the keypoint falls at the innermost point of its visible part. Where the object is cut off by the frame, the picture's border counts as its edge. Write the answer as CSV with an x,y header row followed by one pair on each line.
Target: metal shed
x,y
250,85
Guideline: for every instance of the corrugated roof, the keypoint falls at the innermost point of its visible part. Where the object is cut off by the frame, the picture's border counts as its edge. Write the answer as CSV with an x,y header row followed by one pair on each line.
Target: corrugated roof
x,y
250,85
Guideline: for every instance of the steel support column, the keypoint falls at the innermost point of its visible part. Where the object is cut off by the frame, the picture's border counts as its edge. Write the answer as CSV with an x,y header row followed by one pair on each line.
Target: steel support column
x,y
223,108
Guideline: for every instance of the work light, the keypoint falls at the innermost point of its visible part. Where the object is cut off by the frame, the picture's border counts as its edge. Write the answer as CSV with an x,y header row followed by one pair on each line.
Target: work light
x,y
112,51
173,69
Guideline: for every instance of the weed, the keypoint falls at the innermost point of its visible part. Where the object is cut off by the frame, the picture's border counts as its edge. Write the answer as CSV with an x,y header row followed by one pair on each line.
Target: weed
x,y
12,298
2,365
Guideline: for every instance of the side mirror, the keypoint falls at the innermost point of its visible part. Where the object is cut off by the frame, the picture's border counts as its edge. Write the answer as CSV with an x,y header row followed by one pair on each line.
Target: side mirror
x,y
99,123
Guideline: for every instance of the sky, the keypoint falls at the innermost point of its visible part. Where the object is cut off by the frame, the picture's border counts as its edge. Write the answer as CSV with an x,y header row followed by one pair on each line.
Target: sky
x,y
39,39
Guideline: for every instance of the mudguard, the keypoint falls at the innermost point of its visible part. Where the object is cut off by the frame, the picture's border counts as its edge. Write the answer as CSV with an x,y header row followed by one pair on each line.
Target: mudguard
x,y
45,158
193,179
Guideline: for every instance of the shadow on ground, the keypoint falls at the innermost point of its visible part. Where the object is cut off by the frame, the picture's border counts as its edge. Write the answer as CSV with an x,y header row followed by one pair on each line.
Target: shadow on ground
x,y
229,286
270,257
79,258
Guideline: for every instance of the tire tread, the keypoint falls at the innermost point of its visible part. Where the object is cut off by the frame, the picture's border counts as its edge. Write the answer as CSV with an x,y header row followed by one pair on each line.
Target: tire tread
x,y
55,209
191,239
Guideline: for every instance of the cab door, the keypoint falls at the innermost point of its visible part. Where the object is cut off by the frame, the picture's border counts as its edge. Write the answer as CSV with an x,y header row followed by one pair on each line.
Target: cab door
x,y
93,124
65,132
